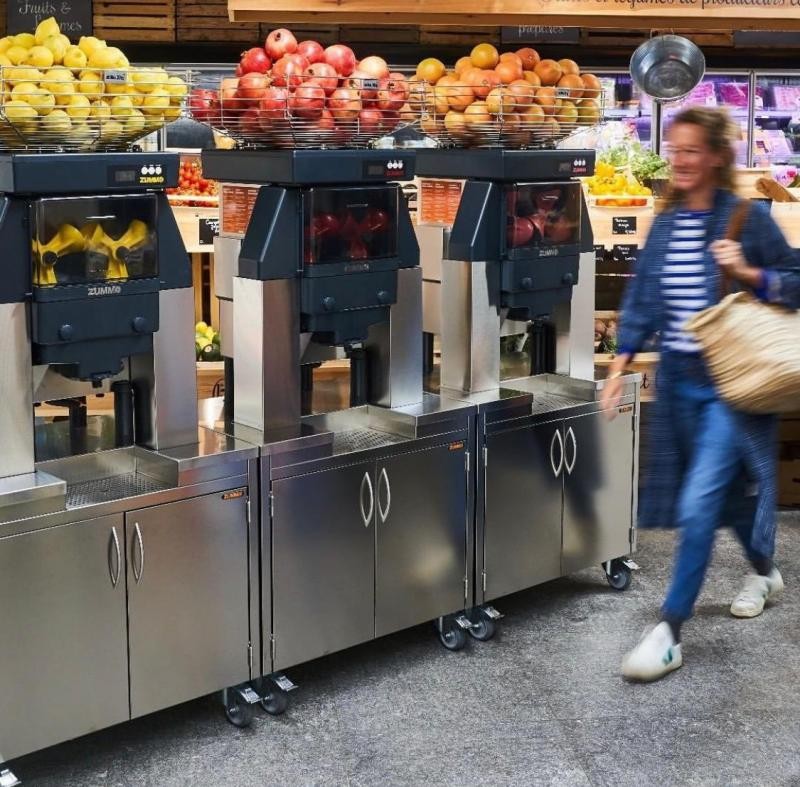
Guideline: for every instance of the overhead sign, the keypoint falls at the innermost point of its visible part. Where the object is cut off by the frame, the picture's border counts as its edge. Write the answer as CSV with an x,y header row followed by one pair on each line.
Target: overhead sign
x,y
540,34
73,16
632,14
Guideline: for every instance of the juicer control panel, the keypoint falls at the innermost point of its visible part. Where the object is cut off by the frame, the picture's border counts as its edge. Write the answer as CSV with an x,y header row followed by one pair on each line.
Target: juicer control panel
x,y
392,168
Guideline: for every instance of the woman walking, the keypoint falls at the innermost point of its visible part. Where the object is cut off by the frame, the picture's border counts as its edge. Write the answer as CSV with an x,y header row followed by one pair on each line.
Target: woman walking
x,y
708,464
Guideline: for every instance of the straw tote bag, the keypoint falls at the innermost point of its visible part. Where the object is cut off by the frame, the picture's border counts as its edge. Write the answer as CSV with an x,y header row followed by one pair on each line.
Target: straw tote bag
x,y
752,348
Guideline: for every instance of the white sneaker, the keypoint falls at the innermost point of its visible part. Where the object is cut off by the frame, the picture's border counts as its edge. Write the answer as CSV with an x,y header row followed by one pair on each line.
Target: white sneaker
x,y
656,655
754,594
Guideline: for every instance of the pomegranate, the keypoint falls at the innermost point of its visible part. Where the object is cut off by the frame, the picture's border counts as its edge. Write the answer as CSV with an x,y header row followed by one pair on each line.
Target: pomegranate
x,y
288,72
311,51
345,104
519,232
324,225
342,58
201,104
357,250
252,86
273,104
390,121
250,121
375,66
230,103
324,74
308,100
365,84
392,92
369,121
255,60
279,43
376,220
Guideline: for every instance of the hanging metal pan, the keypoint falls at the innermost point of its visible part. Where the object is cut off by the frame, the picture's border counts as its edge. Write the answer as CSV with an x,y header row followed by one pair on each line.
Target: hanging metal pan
x,y
668,68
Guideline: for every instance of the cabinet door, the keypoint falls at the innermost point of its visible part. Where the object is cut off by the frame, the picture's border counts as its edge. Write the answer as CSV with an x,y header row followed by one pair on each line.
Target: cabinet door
x,y
323,563
63,639
421,538
522,538
598,489
187,599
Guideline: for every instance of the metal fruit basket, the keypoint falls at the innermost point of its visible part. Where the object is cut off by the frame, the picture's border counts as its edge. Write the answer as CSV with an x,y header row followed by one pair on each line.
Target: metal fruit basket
x,y
268,113
505,116
63,109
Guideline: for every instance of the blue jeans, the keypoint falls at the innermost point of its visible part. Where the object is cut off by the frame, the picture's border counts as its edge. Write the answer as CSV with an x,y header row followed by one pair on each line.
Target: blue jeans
x,y
708,440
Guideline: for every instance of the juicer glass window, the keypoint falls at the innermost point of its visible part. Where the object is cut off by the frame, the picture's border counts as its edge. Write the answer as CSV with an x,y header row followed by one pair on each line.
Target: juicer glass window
x,y
542,214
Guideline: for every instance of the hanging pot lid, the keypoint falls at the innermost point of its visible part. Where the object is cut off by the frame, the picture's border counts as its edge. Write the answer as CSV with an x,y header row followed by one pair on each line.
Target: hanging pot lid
x,y
668,67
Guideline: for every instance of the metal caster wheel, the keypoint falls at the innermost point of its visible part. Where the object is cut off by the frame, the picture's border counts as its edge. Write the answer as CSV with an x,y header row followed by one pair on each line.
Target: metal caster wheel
x,y
452,634
276,701
238,711
483,630
619,576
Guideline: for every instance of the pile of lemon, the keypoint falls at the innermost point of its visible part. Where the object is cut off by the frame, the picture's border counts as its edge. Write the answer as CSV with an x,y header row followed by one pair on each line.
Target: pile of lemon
x,y
625,190
58,92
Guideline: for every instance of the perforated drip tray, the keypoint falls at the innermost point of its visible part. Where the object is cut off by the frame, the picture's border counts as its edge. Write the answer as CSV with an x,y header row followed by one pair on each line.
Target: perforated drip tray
x,y
107,490
548,402
362,440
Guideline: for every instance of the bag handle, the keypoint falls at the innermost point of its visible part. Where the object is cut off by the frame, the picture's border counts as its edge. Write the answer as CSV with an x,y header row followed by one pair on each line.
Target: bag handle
x,y
734,232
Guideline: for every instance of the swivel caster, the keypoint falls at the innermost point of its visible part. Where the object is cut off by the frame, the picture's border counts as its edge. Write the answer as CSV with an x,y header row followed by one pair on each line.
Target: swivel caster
x,y
7,779
453,631
239,705
618,574
485,627
276,697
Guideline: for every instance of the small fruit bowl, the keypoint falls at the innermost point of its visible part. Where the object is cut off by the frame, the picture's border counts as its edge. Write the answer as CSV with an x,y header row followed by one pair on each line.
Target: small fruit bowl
x,y
65,109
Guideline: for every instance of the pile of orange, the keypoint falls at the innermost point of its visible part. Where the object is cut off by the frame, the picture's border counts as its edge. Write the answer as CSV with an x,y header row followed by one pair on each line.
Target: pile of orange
x,y
517,93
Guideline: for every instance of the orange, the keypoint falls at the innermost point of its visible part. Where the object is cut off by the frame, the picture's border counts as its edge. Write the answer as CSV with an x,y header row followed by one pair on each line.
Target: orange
x,y
500,101
462,64
569,66
482,82
459,95
523,93
574,84
533,78
546,99
549,72
431,70
529,57
591,86
509,71
484,56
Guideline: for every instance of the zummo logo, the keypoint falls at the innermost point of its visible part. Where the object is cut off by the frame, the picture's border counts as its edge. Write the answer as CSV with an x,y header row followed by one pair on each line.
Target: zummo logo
x,y
552,251
109,289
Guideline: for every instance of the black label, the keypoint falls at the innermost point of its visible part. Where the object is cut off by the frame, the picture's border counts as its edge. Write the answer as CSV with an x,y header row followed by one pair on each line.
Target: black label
x,y
623,225
74,16
540,34
207,229
625,252
599,254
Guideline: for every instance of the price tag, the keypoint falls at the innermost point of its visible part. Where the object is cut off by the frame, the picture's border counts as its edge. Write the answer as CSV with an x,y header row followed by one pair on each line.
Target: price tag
x,y
625,252
207,230
115,77
623,225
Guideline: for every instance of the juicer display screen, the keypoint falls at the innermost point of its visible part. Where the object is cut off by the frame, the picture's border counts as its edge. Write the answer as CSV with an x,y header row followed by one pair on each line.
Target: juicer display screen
x,y
542,214
349,224
83,240
125,176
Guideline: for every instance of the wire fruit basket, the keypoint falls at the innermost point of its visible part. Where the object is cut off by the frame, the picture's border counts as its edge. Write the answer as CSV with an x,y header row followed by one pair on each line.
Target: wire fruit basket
x,y
62,109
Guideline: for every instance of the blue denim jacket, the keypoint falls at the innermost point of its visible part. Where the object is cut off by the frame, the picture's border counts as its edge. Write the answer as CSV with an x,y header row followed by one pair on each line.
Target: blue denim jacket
x,y
644,313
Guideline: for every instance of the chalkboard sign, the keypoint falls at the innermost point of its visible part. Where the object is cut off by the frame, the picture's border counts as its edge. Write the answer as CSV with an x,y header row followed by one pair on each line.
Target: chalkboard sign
x,y
623,225
625,252
208,229
599,254
540,34
73,16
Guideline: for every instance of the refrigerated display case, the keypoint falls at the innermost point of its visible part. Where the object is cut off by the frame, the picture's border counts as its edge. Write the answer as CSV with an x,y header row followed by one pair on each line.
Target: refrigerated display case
x,y
623,101
729,89
776,127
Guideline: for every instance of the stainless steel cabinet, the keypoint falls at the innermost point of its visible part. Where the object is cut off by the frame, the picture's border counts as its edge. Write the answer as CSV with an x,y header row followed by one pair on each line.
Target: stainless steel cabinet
x,y
522,523
187,599
323,562
421,535
63,640
598,489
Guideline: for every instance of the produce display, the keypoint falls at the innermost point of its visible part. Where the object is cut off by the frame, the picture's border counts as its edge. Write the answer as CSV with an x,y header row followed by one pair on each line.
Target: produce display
x,y
83,95
294,94
206,343
191,183
514,99
624,176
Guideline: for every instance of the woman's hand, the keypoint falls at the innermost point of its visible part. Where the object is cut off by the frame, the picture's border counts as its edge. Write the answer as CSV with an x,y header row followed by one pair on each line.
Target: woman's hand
x,y
731,260
611,392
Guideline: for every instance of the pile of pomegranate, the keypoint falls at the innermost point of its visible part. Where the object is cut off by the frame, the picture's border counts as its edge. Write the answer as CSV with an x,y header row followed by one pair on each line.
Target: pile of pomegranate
x,y
300,92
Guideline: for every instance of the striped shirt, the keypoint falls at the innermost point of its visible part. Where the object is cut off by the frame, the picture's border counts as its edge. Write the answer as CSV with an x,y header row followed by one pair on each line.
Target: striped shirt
x,y
683,281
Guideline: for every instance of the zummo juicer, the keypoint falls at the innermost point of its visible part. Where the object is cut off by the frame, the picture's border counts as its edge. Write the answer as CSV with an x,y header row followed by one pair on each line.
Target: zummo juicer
x,y
124,538
364,510
555,482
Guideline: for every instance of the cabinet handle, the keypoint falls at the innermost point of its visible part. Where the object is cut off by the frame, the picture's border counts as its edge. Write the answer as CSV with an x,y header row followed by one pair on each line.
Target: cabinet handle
x,y
557,437
114,574
367,516
137,575
384,512
571,466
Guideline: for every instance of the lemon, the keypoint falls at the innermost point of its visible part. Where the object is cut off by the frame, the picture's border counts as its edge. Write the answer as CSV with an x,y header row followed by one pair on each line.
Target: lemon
x,y
154,122
19,74
4,61
75,57
91,84
17,54
118,88
156,102
25,40
104,58
79,107
111,129
81,133
60,82
176,87
121,107
101,110
173,113
135,123
122,61
43,101
57,122
40,57
137,98
90,44
5,43
56,46
48,28
144,79
20,113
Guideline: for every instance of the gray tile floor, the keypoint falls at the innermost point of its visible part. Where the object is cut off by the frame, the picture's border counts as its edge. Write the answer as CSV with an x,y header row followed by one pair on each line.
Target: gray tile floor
x,y
541,704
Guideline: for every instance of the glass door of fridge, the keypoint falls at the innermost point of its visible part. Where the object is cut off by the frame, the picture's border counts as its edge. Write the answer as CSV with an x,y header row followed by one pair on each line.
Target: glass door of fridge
x,y
624,102
729,89
776,119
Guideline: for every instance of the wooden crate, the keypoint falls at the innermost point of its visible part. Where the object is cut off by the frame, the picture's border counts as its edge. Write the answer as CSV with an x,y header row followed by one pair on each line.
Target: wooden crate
x,y
208,21
644,363
603,224
787,216
133,21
